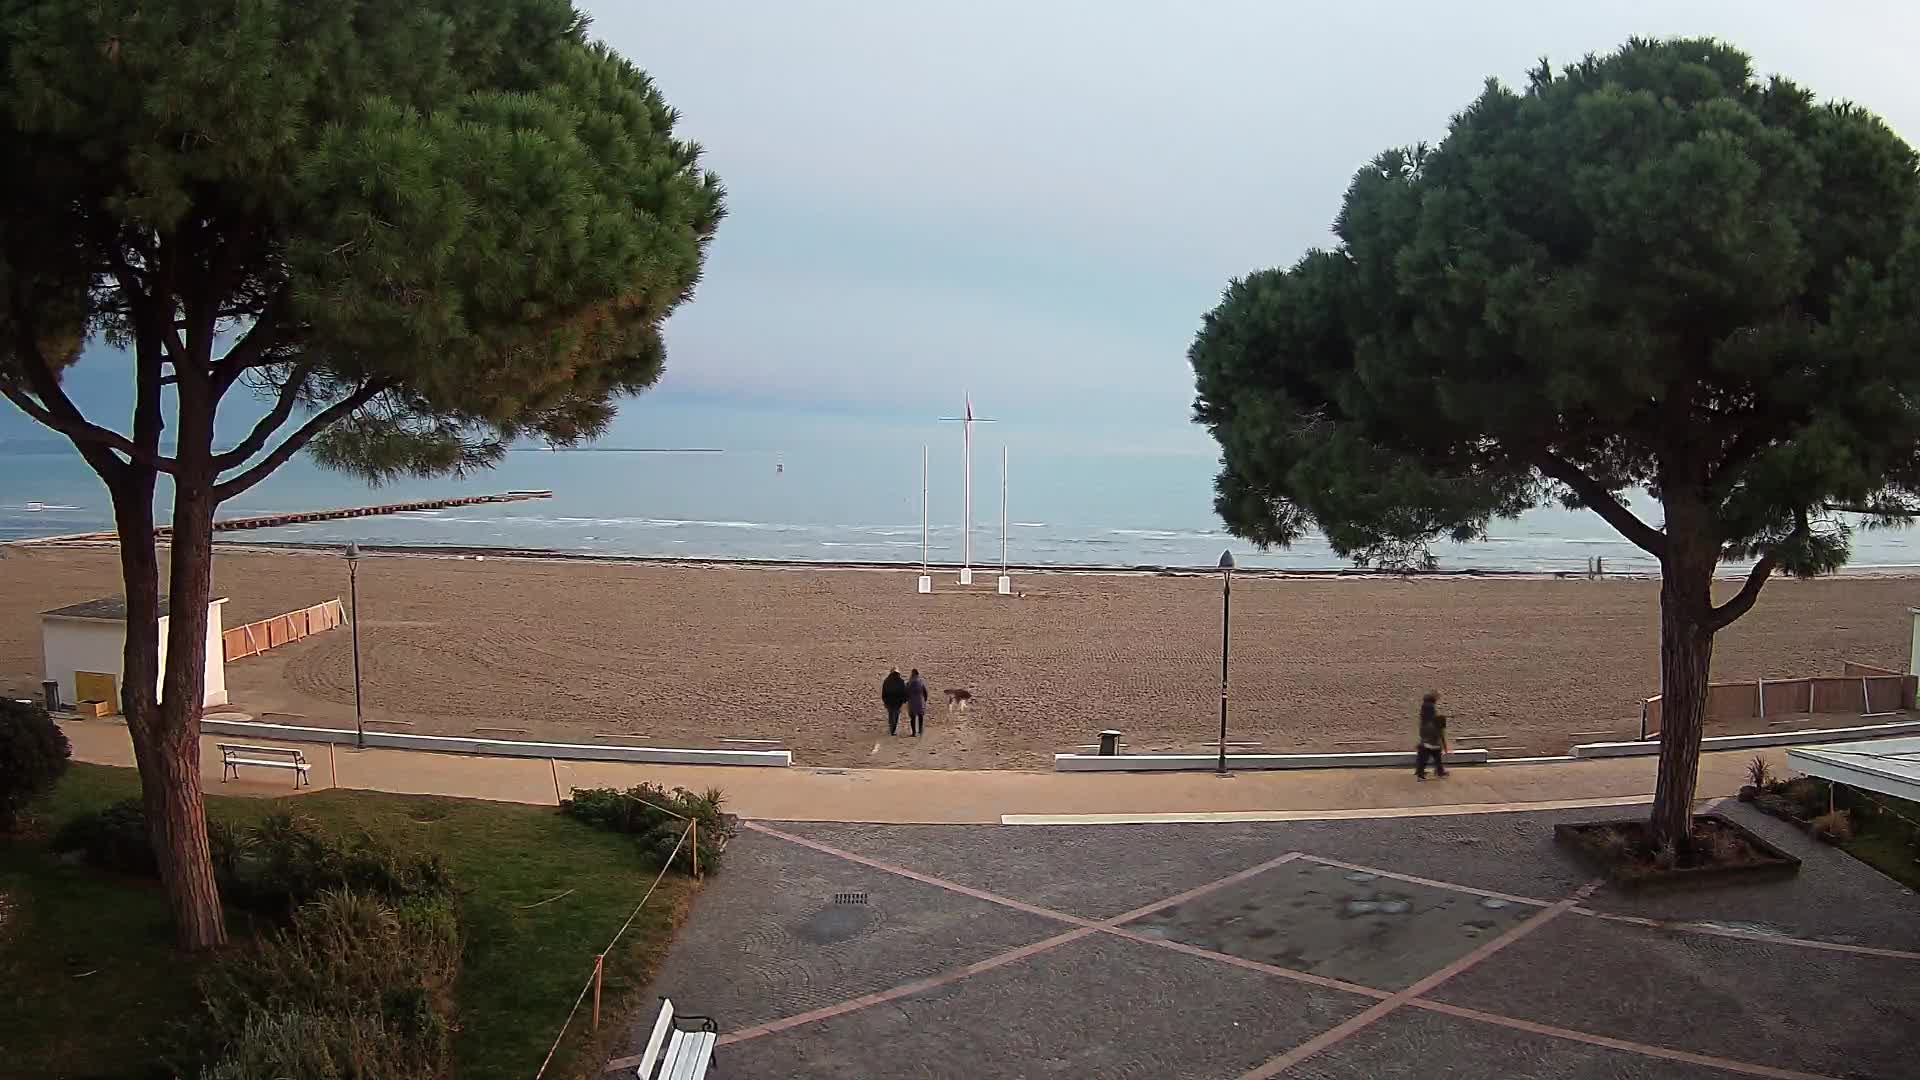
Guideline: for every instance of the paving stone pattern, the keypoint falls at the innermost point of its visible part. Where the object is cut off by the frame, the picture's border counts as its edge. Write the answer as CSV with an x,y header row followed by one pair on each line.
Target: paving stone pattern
x,y
1226,981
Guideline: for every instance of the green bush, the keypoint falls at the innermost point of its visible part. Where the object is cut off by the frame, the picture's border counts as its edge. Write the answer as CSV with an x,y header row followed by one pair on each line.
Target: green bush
x,y
356,987
657,818
114,838
33,755
272,867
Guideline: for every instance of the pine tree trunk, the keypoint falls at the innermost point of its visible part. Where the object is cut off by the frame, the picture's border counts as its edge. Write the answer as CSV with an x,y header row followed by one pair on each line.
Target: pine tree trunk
x,y
1686,661
170,757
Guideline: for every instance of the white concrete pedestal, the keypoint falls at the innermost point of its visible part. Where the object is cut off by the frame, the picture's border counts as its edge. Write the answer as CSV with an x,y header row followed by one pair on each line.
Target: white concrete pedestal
x,y
926,584
1006,585
966,575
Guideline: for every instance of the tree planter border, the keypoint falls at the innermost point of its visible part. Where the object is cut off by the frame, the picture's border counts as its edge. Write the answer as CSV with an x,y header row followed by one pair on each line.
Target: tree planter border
x,y
1778,864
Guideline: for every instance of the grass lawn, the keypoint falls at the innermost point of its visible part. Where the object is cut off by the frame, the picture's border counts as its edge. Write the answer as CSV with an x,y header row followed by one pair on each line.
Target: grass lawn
x,y
1882,828
92,983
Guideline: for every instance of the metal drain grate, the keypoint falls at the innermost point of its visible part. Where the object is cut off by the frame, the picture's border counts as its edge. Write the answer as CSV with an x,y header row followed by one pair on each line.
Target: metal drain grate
x,y
849,898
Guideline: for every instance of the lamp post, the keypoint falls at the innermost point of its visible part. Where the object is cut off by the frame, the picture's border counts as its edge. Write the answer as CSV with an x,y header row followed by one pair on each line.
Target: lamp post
x,y
353,591
1226,616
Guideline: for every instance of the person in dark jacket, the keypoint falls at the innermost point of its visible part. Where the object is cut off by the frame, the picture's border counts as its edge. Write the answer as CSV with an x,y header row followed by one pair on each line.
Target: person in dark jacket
x,y
1433,738
917,703
893,694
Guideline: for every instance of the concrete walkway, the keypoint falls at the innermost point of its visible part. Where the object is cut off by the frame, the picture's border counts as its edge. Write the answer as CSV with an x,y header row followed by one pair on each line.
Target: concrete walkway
x,y
939,796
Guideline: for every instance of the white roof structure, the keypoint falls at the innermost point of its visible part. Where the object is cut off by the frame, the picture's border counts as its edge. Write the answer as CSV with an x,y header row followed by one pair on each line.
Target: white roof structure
x,y
1887,766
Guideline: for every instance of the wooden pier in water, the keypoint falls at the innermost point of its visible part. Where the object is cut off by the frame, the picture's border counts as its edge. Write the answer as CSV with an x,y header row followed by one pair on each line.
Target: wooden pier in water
x,y
302,517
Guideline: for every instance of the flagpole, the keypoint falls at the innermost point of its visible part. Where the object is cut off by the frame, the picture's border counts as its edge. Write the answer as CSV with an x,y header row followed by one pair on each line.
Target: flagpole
x,y
966,544
1003,510
925,529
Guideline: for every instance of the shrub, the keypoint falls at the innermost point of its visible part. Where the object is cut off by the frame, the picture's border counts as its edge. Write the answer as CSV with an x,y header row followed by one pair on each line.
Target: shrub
x,y
114,838
1808,794
1727,848
33,756
356,987
274,866
1759,772
1836,826
657,818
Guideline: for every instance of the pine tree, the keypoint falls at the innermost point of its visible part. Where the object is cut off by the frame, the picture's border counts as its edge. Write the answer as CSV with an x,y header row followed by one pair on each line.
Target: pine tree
x,y
1648,270
419,231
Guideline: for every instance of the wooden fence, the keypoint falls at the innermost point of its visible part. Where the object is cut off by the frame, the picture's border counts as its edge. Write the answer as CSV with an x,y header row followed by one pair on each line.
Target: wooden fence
x,y
257,637
1860,690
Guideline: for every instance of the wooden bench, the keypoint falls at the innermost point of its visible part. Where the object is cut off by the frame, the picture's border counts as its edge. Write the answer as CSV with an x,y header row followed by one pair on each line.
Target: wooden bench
x,y
233,755
687,1053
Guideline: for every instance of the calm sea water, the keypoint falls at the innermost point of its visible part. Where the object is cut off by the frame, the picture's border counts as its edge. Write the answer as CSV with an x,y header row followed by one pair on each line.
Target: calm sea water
x,y
811,487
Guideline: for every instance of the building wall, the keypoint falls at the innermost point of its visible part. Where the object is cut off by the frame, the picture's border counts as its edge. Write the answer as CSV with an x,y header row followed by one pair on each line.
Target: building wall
x,y
70,645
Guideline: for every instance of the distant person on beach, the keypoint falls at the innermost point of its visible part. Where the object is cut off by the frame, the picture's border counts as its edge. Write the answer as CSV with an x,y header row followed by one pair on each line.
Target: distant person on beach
x,y
1433,738
917,703
893,694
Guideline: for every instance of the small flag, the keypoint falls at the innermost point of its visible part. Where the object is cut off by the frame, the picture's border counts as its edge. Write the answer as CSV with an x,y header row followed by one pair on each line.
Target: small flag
x,y
969,406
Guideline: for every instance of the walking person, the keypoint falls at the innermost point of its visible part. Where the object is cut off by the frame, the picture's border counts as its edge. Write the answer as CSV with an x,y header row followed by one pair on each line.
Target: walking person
x,y
893,694
1433,738
917,703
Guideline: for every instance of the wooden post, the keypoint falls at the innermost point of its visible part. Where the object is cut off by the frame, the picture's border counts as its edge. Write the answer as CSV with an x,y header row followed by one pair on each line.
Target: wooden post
x,y
599,965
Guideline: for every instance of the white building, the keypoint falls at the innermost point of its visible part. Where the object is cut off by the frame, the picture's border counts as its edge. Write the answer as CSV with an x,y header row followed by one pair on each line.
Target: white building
x,y
83,646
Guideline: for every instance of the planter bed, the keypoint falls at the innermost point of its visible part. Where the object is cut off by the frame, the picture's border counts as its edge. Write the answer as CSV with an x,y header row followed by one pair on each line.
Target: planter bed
x,y
1727,854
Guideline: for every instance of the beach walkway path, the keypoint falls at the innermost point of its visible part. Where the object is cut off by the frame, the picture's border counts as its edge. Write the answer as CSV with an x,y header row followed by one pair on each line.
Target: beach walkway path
x,y
960,796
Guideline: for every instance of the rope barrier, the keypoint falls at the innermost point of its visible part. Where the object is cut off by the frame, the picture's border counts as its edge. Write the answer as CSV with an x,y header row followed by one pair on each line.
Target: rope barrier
x,y
668,865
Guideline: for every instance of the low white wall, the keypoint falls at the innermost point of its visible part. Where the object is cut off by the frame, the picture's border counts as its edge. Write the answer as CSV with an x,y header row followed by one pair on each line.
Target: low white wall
x,y
1751,742
454,744
1209,762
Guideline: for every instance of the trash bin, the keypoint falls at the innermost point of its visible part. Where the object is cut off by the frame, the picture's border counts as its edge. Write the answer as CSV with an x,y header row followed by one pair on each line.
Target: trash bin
x,y
51,688
1109,743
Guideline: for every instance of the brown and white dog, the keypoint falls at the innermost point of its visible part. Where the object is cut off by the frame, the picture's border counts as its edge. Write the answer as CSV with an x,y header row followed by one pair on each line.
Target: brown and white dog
x,y
957,701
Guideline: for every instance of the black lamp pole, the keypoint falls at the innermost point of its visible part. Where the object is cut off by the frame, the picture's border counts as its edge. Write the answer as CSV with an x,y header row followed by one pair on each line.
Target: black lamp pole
x,y
353,590
1226,617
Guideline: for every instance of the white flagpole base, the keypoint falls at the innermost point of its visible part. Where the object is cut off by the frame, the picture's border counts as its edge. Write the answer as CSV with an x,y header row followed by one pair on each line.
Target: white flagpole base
x,y
966,575
926,584
1006,585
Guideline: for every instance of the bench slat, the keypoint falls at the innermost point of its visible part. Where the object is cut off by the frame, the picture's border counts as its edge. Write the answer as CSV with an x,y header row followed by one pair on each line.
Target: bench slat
x,y
698,1054
651,1055
670,1063
269,764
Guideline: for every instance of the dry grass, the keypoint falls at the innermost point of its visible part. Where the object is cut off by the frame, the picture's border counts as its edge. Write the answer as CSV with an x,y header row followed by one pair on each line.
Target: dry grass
x,y
1834,825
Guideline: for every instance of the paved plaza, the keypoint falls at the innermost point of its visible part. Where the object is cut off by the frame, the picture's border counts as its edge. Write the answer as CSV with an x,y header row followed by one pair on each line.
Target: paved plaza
x,y
1465,946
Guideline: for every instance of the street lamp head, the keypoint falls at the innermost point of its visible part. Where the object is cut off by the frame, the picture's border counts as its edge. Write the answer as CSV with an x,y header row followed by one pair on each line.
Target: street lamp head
x,y
353,551
1226,561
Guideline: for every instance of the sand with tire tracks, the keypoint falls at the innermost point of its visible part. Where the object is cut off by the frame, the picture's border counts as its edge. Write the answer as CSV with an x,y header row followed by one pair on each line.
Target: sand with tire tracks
x,y
690,655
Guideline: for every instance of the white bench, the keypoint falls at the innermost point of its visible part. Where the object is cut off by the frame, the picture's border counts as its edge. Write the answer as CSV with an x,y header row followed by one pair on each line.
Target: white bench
x,y
233,755
687,1053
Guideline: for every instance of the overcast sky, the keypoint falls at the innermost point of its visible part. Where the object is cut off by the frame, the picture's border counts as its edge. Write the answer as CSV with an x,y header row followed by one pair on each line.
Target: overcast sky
x,y
1037,201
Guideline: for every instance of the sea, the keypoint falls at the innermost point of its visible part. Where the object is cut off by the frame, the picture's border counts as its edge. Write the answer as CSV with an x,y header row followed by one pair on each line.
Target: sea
x,y
697,479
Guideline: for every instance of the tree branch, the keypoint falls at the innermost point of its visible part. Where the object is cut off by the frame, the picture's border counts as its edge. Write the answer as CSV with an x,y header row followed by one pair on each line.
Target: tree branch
x,y
247,352
1742,602
322,420
1601,501
55,410
270,423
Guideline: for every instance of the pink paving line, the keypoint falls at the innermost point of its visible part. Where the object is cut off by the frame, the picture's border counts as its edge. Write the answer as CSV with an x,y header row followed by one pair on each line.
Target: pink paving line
x,y
1353,1025
1643,1049
918,986
924,879
1084,928
1448,885
1632,920
1307,977
1747,935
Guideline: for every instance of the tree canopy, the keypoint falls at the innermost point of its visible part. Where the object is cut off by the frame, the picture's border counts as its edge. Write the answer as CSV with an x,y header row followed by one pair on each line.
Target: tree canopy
x,y
418,231
435,227
1647,270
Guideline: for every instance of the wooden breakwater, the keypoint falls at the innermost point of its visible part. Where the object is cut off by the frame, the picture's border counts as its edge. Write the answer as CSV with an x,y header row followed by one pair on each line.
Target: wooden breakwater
x,y
302,517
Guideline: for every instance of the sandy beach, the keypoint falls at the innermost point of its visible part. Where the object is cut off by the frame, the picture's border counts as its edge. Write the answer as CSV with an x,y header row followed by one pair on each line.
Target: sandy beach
x,y
693,655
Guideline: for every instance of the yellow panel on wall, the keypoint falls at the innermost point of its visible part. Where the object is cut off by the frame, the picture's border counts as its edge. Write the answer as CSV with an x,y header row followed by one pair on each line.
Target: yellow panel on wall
x,y
97,686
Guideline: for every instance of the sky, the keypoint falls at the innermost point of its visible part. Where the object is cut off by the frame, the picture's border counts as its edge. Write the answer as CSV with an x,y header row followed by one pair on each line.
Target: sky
x,y
1036,202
